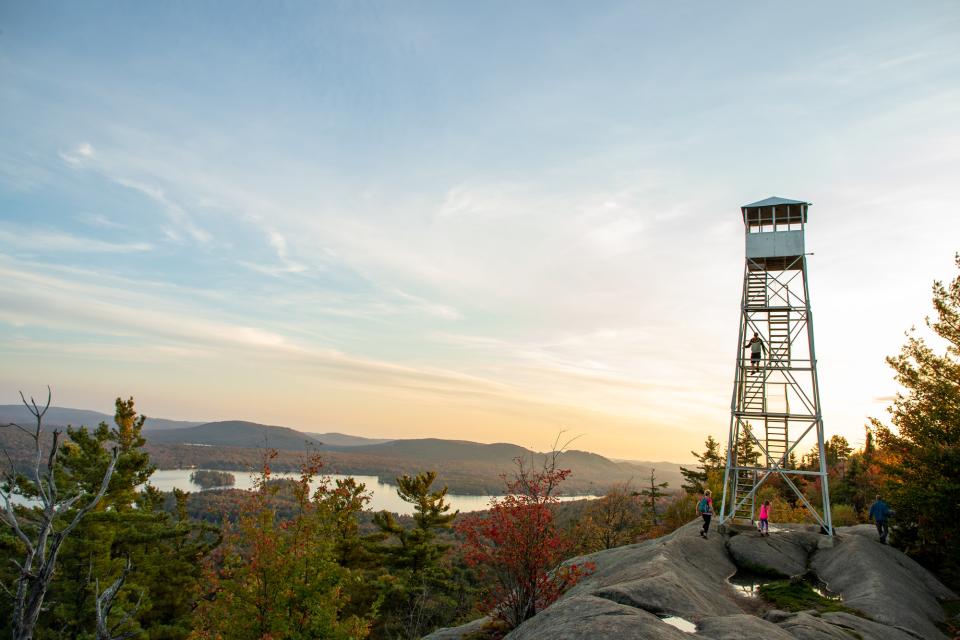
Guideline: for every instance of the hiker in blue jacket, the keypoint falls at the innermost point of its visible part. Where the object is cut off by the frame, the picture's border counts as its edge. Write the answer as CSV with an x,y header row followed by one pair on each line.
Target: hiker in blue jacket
x,y
880,512
705,509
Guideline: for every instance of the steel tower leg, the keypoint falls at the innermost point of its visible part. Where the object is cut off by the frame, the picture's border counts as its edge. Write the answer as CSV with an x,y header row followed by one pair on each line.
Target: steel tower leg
x,y
775,407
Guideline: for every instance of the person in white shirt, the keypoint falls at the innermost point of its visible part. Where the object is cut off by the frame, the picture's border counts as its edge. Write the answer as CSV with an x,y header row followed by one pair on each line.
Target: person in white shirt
x,y
757,348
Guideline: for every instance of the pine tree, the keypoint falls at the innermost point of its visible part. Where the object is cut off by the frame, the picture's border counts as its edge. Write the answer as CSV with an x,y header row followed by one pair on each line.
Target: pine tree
x,y
652,494
792,462
33,537
924,451
836,449
417,590
710,462
417,547
747,456
131,526
345,501
869,444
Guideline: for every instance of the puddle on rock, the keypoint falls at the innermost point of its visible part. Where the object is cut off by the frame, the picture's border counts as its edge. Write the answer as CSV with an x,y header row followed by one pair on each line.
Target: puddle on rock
x,y
748,584
820,588
679,623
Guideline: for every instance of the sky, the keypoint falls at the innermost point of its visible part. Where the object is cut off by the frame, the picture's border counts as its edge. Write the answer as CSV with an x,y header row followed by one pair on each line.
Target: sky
x,y
486,221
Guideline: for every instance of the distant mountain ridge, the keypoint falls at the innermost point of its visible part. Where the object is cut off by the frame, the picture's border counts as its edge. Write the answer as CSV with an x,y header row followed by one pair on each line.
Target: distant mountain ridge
x,y
335,439
237,433
439,448
470,467
467,467
63,416
495,453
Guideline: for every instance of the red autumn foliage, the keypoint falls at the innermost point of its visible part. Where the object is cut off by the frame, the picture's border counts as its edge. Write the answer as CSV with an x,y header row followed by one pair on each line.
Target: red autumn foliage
x,y
518,547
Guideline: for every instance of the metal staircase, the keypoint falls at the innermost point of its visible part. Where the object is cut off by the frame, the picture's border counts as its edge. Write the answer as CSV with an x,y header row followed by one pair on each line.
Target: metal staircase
x,y
778,337
756,289
753,399
744,494
777,441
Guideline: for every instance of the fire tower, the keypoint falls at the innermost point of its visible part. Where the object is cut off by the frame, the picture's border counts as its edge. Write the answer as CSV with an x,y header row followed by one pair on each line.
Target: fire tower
x,y
776,397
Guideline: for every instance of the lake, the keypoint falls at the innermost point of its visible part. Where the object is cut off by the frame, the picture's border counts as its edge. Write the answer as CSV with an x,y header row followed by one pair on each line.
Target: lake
x,y
384,495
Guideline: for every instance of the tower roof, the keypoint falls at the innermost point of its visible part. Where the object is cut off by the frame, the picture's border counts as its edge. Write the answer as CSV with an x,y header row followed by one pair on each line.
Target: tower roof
x,y
761,212
773,201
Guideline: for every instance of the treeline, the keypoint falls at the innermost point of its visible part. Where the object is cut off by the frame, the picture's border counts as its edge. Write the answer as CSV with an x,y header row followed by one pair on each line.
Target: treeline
x,y
104,555
461,476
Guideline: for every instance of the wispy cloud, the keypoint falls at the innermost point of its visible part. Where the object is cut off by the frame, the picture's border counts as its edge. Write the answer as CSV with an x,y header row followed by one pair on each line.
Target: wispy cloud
x,y
36,240
79,155
108,310
107,280
469,200
273,270
285,264
101,221
20,174
167,328
84,156
278,242
106,349
181,220
444,311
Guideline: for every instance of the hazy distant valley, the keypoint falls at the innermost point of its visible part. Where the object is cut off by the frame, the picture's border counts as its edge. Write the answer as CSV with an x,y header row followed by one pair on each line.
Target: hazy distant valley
x,y
468,468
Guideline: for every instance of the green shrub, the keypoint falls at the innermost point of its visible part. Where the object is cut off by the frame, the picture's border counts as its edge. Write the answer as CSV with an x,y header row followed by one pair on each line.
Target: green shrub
x,y
844,515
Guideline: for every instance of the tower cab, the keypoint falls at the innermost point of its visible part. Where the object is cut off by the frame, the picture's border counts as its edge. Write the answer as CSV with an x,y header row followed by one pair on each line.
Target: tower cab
x,y
774,233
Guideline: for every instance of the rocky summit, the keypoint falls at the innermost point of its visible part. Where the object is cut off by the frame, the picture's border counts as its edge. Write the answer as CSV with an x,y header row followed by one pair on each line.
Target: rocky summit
x,y
681,586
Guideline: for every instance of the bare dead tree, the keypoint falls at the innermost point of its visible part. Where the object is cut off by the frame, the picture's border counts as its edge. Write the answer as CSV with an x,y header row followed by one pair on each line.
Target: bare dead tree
x,y
104,603
41,529
545,471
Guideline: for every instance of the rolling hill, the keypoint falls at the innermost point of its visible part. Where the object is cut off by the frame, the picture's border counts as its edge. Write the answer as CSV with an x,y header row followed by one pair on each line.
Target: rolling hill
x,y
237,433
500,454
62,416
335,439
465,467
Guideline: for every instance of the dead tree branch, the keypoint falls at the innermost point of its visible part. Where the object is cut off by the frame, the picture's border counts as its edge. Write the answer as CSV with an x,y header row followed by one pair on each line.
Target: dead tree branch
x,y
104,604
40,529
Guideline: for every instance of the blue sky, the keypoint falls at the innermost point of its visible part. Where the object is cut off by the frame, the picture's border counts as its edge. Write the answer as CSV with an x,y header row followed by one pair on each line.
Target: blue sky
x,y
483,221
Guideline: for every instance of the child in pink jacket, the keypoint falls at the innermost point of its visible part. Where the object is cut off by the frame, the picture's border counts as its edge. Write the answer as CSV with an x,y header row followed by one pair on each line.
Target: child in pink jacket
x,y
765,518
